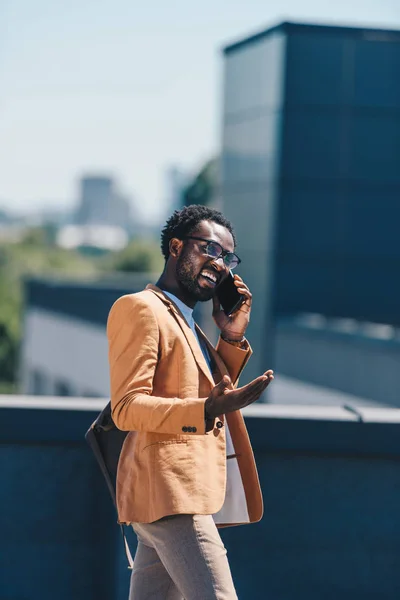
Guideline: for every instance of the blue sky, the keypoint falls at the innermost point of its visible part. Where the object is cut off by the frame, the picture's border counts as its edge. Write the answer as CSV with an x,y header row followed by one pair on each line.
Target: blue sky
x,y
126,87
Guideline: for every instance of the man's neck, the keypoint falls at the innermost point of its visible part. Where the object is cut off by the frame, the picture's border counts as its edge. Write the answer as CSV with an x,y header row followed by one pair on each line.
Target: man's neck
x,y
168,285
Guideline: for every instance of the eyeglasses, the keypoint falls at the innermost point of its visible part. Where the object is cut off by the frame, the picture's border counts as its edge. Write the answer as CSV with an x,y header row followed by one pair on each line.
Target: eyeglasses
x,y
215,250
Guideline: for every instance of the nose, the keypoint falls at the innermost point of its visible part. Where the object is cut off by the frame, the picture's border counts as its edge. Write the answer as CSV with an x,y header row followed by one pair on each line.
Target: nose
x,y
219,262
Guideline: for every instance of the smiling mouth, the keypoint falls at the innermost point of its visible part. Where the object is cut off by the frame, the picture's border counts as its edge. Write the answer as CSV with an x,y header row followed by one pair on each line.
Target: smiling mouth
x,y
210,278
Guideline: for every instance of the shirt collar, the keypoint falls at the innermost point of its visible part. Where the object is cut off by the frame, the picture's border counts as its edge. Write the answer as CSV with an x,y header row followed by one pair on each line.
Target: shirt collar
x,y
184,308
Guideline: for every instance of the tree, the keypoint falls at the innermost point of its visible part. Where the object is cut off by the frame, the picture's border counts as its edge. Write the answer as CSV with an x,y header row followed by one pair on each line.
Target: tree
x,y
32,256
203,187
140,256
8,355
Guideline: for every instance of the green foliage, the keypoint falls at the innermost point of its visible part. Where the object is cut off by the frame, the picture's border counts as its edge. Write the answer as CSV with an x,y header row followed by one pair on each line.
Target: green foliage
x,y
8,354
36,255
30,257
202,188
8,388
140,256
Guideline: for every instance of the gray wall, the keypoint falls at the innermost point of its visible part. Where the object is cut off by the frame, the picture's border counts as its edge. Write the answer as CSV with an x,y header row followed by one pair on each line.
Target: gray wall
x,y
331,527
356,362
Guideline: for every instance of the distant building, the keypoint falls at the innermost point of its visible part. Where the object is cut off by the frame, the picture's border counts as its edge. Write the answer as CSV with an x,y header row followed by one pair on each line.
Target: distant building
x,y
102,237
96,198
100,203
121,212
175,182
12,233
64,347
12,228
5,217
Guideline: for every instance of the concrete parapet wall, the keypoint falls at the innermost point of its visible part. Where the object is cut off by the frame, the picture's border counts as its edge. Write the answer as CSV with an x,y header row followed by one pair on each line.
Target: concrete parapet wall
x,y
331,484
357,363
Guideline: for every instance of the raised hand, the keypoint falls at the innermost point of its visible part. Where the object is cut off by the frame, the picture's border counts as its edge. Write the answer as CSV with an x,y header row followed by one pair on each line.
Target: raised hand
x,y
224,399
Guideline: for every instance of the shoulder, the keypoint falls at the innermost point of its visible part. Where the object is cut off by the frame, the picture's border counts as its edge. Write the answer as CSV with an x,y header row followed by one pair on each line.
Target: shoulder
x,y
141,304
132,317
140,300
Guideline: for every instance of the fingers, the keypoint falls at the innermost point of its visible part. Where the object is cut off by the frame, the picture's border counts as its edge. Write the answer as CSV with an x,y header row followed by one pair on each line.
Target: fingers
x,y
243,289
248,393
251,392
226,399
224,384
269,374
214,403
226,381
252,385
256,392
266,380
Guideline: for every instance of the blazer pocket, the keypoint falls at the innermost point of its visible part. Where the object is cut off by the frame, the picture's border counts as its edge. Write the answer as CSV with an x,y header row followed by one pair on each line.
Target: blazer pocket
x,y
171,456
165,443
182,439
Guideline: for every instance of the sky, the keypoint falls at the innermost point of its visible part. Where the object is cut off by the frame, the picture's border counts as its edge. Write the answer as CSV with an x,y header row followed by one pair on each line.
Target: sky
x,y
126,88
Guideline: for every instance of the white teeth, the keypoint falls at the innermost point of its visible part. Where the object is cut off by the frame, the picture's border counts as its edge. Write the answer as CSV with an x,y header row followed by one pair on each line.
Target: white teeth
x,y
209,275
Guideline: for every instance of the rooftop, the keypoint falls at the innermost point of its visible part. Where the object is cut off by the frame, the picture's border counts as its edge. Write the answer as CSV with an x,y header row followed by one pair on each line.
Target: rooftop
x,y
288,28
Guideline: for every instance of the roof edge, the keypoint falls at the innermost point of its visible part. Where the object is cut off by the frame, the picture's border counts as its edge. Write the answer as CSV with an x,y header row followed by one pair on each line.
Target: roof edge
x,y
292,26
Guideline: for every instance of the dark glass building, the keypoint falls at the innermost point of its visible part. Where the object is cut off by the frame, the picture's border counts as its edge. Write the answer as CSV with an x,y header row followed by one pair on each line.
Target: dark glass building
x,y
311,171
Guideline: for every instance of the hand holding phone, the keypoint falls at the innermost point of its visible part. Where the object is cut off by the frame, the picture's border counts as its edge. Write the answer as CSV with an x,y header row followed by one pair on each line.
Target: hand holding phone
x,y
228,295
232,307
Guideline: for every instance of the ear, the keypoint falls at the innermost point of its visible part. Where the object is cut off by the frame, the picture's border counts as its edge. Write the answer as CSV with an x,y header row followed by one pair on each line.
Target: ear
x,y
175,247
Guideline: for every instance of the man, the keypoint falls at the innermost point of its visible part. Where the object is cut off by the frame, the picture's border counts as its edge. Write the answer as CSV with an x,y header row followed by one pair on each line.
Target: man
x,y
186,466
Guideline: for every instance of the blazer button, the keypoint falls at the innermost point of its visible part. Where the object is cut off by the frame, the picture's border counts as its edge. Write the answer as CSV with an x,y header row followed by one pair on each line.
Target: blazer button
x,y
194,429
189,429
219,424
184,429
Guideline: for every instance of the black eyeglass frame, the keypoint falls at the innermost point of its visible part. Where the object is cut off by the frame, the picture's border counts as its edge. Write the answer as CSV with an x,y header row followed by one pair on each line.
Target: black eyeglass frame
x,y
222,254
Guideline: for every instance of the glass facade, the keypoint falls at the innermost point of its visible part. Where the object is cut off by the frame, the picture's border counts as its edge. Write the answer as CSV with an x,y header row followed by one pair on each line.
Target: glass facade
x,y
254,80
311,173
340,176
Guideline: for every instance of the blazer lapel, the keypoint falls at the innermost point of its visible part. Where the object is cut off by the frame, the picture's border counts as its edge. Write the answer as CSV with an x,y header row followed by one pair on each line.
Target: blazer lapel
x,y
188,333
217,364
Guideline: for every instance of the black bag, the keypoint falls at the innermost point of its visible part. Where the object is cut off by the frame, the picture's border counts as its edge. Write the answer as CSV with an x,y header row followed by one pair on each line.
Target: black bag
x,y
106,441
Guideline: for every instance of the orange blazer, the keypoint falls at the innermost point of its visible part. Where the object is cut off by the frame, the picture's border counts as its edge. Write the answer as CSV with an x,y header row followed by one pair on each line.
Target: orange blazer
x,y
159,383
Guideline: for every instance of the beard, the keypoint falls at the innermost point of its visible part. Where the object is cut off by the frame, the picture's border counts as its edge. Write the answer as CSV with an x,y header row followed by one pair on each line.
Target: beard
x,y
188,279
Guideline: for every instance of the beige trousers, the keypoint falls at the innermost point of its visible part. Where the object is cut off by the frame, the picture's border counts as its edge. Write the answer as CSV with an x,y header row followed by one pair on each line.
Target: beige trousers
x,y
180,557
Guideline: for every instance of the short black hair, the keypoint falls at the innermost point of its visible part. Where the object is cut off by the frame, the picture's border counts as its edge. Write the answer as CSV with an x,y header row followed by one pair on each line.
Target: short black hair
x,y
185,221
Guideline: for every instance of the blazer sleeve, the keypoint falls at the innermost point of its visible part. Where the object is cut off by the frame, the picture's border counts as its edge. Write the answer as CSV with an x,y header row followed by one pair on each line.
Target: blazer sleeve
x,y
235,358
133,342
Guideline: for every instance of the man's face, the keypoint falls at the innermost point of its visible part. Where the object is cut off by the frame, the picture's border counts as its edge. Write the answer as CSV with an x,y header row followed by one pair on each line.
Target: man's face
x,y
197,273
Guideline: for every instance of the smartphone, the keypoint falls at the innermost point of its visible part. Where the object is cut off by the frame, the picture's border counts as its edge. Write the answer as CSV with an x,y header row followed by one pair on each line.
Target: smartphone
x,y
229,297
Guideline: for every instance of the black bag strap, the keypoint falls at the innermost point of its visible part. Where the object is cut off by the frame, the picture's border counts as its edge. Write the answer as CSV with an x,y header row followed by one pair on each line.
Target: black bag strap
x,y
94,445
